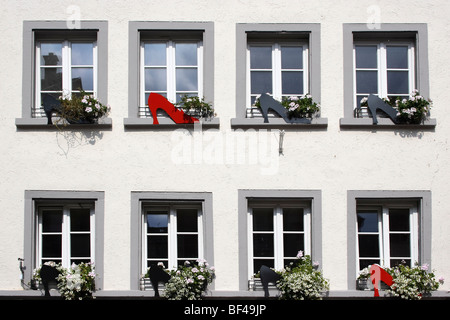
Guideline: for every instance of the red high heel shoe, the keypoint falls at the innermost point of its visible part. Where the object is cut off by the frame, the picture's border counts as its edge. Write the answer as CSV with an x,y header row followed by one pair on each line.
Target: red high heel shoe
x,y
379,274
157,101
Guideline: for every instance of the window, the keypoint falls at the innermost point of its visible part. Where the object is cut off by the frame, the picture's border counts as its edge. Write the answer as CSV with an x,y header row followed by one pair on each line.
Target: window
x,y
65,234
280,59
59,59
64,67
169,227
66,227
274,225
172,68
390,61
387,227
383,69
279,68
387,235
172,235
277,233
171,59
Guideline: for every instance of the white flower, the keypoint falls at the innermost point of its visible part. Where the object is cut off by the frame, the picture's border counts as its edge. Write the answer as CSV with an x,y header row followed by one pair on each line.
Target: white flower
x,y
88,109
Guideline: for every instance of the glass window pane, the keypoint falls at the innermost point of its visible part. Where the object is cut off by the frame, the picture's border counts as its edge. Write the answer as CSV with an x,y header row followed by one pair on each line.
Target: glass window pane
x,y
51,246
368,221
399,245
397,57
82,53
157,247
187,220
186,54
83,79
155,54
368,245
51,79
51,54
187,246
80,219
293,219
157,222
261,57
155,79
257,263
50,99
263,245
151,263
187,79
399,220
292,82
364,263
366,82
51,221
397,82
80,245
262,219
291,57
292,243
366,56
261,82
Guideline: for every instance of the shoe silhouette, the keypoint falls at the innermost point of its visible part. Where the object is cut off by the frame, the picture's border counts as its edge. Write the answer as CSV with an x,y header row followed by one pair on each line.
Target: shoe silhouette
x,y
267,102
375,103
157,101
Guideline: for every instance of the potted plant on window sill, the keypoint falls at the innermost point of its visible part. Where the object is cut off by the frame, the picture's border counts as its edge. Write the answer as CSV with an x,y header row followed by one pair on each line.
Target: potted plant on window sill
x,y
80,108
363,280
302,280
414,110
196,107
293,109
74,283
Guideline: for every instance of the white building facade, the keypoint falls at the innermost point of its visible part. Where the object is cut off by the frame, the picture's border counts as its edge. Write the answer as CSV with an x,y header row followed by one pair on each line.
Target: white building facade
x,y
235,190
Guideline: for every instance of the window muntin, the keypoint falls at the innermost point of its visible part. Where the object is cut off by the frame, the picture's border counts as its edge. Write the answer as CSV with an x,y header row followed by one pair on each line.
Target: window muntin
x,y
171,68
276,234
277,68
65,234
64,67
383,69
387,235
172,235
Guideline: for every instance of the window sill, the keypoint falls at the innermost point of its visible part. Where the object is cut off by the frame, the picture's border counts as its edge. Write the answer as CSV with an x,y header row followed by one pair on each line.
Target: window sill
x,y
147,123
316,123
41,123
383,123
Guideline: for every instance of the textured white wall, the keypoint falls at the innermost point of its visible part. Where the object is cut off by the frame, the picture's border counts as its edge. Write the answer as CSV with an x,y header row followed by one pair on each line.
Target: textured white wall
x,y
118,161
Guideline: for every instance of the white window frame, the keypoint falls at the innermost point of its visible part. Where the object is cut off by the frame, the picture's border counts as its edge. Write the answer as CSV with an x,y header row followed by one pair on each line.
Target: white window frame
x,y
172,233
278,232
66,66
171,72
65,233
382,67
383,232
276,71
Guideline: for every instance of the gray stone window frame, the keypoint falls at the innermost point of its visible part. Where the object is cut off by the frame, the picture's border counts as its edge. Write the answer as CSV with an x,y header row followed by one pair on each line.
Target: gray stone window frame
x,y
421,198
311,31
36,198
29,67
417,31
135,29
141,198
244,196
